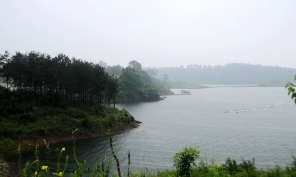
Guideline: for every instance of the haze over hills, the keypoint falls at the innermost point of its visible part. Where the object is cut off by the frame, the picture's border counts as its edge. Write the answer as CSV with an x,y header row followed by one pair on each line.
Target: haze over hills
x,y
229,74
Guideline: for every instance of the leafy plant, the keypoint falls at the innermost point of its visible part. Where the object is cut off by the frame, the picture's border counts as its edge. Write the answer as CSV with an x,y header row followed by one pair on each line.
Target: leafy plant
x,y
214,169
291,170
184,160
275,172
231,166
249,166
291,89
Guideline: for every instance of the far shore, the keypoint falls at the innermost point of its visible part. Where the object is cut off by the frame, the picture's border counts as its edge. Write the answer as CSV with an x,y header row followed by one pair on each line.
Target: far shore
x,y
218,86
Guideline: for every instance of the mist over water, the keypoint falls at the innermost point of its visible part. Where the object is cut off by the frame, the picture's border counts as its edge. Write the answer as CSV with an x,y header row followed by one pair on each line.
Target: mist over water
x,y
222,122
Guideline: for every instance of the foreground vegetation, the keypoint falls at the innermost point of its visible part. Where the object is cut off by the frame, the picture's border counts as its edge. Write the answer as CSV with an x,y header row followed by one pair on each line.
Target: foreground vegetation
x,y
188,163
291,89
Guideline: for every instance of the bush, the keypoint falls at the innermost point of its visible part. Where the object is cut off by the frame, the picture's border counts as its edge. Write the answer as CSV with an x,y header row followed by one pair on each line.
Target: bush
x,y
184,160
231,166
274,172
291,170
249,166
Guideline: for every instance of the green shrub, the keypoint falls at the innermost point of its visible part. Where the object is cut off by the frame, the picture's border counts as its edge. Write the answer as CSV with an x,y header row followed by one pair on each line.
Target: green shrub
x,y
291,170
202,166
276,172
184,160
231,166
249,166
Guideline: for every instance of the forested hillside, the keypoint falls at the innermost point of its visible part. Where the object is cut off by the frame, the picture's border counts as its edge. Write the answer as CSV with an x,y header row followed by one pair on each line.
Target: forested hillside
x,y
41,96
39,77
226,74
36,76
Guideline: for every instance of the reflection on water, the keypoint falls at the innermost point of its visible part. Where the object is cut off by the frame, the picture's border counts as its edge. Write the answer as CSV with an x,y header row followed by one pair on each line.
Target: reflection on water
x,y
200,120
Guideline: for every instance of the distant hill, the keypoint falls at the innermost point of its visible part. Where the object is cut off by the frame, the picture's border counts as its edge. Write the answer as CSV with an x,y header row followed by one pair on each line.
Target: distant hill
x,y
229,74
272,84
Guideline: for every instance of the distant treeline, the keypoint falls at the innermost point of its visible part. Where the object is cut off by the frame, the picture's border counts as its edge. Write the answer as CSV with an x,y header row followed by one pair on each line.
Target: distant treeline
x,y
135,83
226,74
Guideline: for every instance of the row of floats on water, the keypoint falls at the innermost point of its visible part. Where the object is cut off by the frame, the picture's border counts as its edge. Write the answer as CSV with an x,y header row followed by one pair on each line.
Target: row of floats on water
x,y
254,109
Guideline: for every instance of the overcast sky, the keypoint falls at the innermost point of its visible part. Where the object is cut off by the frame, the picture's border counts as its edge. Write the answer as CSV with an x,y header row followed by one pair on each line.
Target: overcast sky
x,y
154,32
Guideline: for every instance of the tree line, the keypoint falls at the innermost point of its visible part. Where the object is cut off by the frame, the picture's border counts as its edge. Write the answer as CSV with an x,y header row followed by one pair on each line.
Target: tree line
x,y
39,77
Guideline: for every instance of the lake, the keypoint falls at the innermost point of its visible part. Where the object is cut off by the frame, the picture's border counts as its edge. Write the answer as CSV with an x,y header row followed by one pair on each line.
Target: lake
x,y
236,122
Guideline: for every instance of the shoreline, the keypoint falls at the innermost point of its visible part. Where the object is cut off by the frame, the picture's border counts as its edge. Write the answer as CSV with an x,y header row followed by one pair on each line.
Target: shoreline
x,y
80,135
28,144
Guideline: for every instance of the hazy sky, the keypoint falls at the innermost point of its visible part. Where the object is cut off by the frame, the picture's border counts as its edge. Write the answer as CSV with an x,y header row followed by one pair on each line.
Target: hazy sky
x,y
154,32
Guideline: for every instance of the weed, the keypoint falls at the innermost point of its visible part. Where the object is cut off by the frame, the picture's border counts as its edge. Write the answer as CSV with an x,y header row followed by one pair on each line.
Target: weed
x,y
231,166
184,160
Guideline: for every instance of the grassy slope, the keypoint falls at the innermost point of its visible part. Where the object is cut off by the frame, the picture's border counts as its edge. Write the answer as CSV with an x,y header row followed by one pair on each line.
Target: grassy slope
x,y
45,121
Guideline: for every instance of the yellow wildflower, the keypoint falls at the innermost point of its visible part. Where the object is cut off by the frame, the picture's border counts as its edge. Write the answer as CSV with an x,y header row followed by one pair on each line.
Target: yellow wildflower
x,y
58,174
45,142
44,167
36,173
63,149
75,130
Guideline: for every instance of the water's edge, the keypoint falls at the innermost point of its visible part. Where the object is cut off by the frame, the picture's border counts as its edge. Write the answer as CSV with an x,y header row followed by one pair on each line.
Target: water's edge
x,y
29,144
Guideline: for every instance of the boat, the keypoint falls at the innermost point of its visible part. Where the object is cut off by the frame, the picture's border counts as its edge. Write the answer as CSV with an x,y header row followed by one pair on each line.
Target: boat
x,y
185,92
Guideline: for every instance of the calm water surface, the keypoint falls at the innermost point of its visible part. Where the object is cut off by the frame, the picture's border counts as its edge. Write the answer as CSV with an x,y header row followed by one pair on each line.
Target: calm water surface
x,y
222,122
